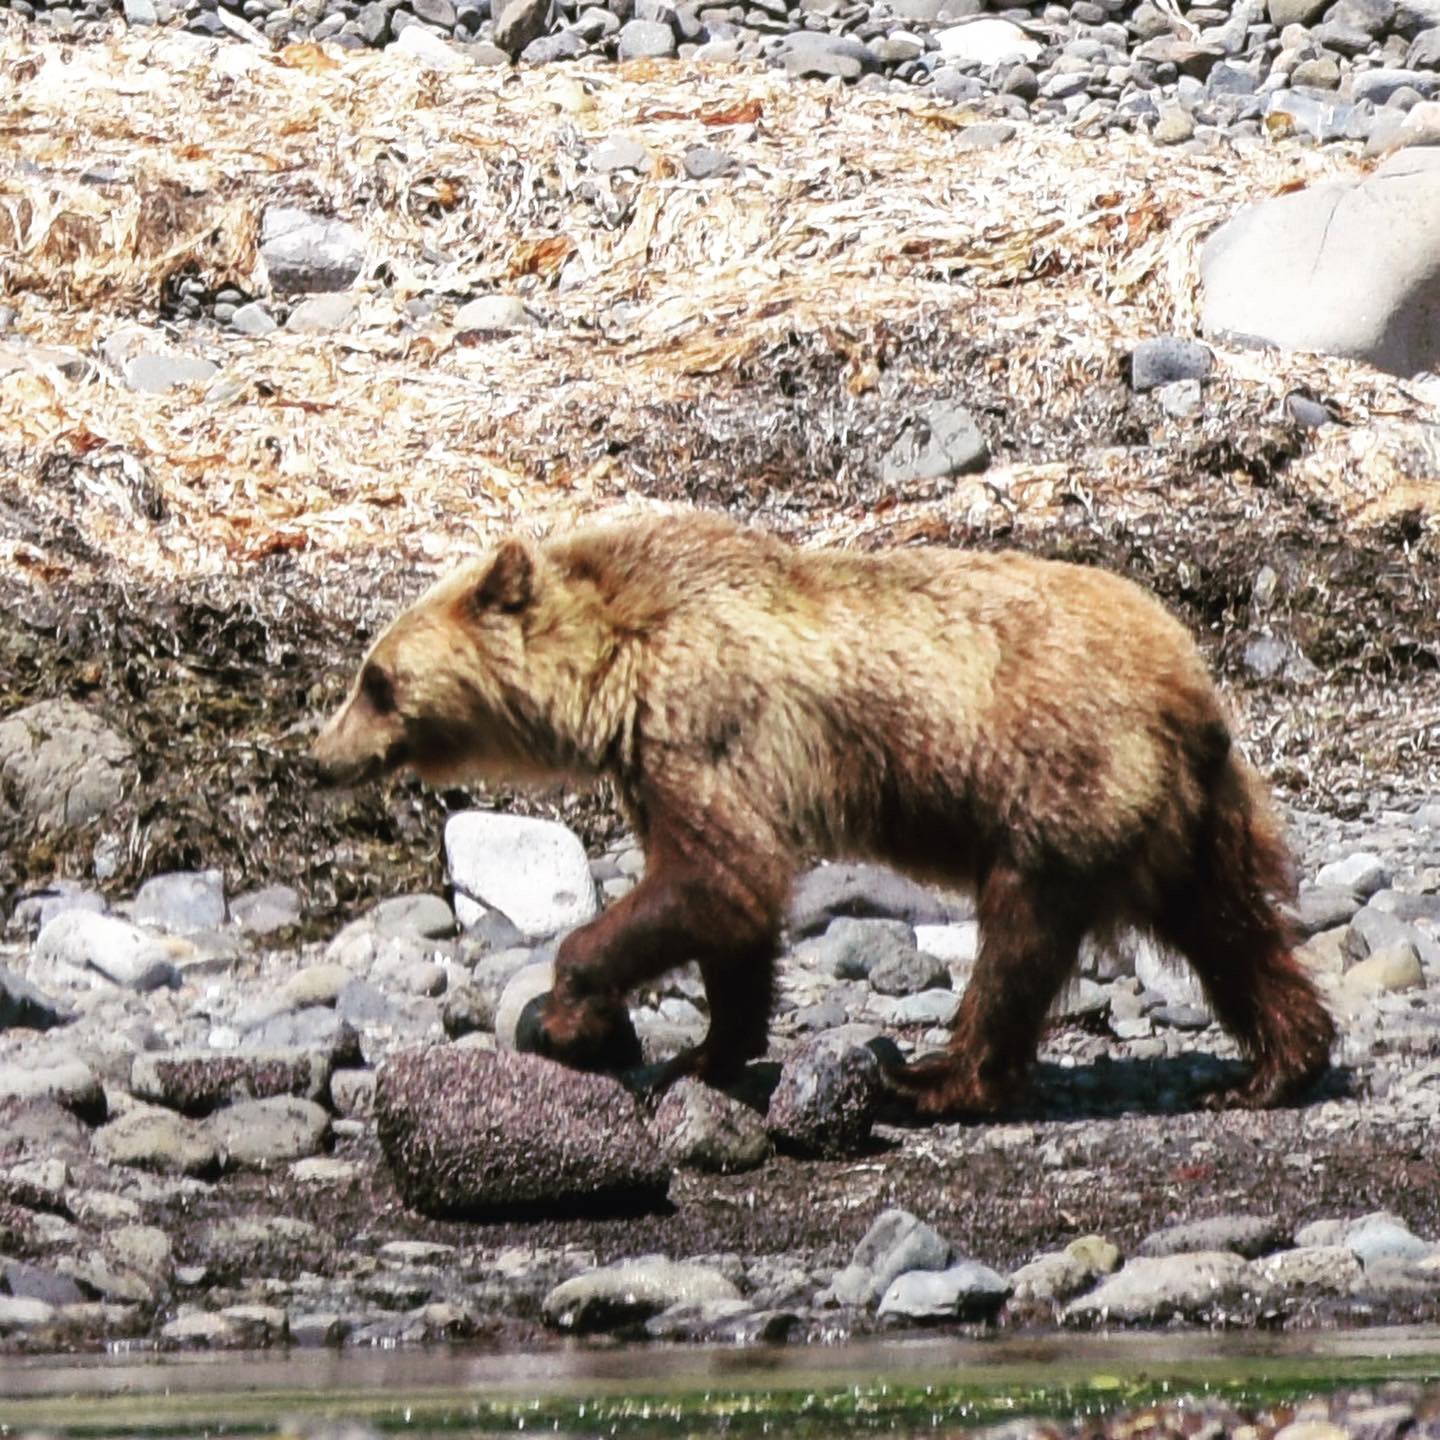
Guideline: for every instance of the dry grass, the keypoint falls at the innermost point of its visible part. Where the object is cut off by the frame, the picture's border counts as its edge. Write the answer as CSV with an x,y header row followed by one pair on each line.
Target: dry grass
x,y
854,218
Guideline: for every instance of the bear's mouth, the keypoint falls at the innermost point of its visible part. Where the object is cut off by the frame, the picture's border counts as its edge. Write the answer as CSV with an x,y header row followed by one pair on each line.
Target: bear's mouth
x,y
371,767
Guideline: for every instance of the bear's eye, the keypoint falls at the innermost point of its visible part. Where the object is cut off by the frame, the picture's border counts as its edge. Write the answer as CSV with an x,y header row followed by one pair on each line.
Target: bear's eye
x,y
379,690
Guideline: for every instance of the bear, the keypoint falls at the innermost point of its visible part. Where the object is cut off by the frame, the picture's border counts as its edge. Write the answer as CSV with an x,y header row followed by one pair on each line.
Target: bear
x,y
1044,733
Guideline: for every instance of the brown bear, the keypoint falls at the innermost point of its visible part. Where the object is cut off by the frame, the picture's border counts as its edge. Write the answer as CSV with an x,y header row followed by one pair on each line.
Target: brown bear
x,y
1043,732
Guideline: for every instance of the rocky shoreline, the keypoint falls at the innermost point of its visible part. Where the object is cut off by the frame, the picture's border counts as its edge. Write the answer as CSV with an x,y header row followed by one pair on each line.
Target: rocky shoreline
x,y
191,1129
1357,70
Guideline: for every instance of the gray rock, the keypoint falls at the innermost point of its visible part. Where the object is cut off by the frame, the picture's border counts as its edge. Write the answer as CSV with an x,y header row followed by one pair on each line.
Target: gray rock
x,y
182,902
32,1282
140,12
535,872
1362,873
1379,86
315,1028
826,1099
1294,12
1166,359
618,153
502,314
23,1006
253,318
304,252
1372,929
154,374
562,45
240,1245
469,1009
36,909
153,1139
632,1291
263,912
988,135
1061,1274
937,441
704,162
195,1082
1308,1270
965,1291
828,891
523,986
1247,1235
640,39
469,1132
927,1007
70,1083
80,948
1162,1288
1343,269
701,1128
896,1243
62,765
850,949
435,12
520,22
255,1134
1383,1237
320,314
820,54
1323,907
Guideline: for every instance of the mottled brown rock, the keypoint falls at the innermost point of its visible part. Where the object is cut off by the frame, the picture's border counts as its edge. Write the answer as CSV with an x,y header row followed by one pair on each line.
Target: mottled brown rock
x,y
827,1097
195,1082
475,1133
704,1129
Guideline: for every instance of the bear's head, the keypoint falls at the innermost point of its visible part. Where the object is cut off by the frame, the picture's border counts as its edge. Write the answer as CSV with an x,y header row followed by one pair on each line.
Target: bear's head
x,y
488,674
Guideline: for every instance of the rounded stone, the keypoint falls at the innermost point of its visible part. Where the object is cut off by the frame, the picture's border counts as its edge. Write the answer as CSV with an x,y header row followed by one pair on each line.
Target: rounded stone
x,y
470,1132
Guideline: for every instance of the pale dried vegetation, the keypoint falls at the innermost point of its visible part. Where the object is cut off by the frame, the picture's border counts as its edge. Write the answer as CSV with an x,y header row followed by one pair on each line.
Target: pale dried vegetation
x,y
754,340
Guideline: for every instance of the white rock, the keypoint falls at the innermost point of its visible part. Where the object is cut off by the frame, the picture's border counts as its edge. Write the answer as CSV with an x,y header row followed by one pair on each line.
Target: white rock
x,y
429,49
78,947
957,945
988,41
1361,873
494,312
1164,1287
1343,268
535,872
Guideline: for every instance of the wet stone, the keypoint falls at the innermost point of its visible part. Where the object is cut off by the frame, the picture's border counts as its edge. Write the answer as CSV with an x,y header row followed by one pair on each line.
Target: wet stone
x,y
632,1291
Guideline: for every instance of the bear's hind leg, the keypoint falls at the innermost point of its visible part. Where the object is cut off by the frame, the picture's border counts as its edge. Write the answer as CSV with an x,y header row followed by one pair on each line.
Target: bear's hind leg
x,y
1031,927
1240,949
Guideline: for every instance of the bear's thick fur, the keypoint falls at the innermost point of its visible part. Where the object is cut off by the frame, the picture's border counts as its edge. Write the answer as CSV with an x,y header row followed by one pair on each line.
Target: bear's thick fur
x,y
1043,732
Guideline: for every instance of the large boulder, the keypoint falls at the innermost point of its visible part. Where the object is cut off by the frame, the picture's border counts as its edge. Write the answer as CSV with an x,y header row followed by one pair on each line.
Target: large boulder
x,y
62,765
1344,268
474,1133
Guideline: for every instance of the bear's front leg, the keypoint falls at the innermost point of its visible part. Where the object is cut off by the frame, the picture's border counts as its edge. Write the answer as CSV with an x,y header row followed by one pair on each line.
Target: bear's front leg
x,y
688,906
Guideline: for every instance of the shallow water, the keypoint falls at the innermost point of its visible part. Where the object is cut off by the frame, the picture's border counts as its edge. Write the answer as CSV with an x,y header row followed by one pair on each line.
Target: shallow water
x,y
899,1387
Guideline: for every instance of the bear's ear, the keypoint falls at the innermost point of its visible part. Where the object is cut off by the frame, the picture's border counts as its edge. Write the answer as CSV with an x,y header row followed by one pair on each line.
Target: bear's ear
x,y
509,584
